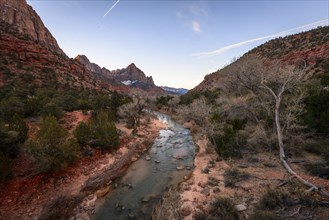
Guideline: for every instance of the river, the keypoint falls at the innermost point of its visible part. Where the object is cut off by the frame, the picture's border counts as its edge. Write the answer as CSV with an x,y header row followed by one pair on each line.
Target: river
x,y
166,163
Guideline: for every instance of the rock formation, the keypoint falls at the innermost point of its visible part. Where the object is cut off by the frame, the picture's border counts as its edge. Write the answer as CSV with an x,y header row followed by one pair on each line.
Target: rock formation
x,y
25,20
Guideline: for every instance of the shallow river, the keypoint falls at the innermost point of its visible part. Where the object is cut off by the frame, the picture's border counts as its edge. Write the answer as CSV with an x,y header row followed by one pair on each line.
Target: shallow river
x,y
166,163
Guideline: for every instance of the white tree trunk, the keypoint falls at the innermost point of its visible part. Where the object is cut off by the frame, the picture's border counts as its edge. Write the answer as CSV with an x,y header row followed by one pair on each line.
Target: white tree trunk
x,y
282,154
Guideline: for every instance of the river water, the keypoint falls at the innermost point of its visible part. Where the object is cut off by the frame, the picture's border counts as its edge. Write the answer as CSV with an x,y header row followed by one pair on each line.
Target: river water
x,y
166,163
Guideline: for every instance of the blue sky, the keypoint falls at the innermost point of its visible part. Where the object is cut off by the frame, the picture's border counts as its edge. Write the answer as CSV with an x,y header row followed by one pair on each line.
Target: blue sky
x,y
177,42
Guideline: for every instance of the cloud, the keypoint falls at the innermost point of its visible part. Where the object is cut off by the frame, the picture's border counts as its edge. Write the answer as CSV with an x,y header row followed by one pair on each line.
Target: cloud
x,y
197,10
196,27
280,34
111,8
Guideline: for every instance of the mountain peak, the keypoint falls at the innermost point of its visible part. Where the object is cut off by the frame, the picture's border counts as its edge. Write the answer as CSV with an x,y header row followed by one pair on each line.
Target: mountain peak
x,y
132,65
26,21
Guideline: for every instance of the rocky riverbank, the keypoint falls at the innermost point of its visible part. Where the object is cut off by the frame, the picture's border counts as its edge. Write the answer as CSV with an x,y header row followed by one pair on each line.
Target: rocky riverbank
x,y
56,195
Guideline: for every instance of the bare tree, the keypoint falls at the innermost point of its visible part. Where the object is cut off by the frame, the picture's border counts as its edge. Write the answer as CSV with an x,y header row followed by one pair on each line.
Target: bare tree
x,y
275,86
132,111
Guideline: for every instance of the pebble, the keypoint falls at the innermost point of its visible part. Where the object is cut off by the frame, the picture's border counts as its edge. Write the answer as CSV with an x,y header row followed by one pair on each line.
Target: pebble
x,y
241,207
147,158
206,191
180,167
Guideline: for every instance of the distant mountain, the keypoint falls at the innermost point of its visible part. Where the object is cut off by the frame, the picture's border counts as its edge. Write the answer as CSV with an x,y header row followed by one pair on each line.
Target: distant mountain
x,y
131,76
310,48
174,91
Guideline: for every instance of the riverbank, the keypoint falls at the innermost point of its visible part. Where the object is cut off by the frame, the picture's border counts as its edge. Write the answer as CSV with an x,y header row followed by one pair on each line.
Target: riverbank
x,y
25,197
249,183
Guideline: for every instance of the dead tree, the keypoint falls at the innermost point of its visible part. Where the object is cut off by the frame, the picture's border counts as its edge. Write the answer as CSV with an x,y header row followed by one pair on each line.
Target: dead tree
x,y
271,84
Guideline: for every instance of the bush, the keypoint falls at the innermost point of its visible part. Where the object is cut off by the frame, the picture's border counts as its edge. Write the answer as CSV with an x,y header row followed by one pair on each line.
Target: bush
x,y
272,199
52,150
233,176
51,109
12,135
228,144
83,133
316,116
263,215
104,132
5,167
163,101
223,208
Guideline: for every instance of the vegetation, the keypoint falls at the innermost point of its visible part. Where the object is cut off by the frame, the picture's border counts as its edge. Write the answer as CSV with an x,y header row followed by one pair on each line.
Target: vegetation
x,y
233,176
53,149
272,199
163,101
316,116
132,111
223,208
263,215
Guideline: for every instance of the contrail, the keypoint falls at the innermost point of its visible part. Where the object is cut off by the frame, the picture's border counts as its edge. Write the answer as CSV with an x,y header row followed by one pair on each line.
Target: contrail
x,y
280,34
111,8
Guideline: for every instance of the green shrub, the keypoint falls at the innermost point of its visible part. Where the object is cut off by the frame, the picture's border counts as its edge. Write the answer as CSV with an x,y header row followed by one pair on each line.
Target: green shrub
x,y
104,132
316,116
52,150
272,199
223,208
51,109
11,106
83,133
163,101
228,144
12,135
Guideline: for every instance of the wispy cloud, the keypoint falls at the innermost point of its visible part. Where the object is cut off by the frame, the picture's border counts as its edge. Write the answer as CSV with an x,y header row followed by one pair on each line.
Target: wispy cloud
x,y
196,26
197,10
280,34
111,8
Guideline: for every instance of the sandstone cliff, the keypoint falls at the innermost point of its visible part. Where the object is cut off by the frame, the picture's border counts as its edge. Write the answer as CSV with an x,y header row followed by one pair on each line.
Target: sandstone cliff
x,y
25,20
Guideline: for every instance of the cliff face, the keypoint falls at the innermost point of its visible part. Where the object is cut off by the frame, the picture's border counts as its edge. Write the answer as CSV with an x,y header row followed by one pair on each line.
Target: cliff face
x,y
26,21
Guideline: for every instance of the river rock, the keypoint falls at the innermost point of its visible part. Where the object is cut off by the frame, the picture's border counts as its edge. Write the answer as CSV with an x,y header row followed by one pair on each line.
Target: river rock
x,y
102,192
146,199
180,167
134,158
157,161
185,211
148,157
241,207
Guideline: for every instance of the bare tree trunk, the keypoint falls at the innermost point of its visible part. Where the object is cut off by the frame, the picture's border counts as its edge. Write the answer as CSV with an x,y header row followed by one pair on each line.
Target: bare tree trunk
x,y
282,154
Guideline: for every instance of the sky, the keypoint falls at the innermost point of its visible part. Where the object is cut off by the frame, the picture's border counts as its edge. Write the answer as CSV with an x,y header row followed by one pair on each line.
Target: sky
x,y
175,42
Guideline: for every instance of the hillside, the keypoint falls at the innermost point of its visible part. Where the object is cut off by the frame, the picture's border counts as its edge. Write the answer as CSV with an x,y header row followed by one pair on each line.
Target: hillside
x,y
311,46
261,125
